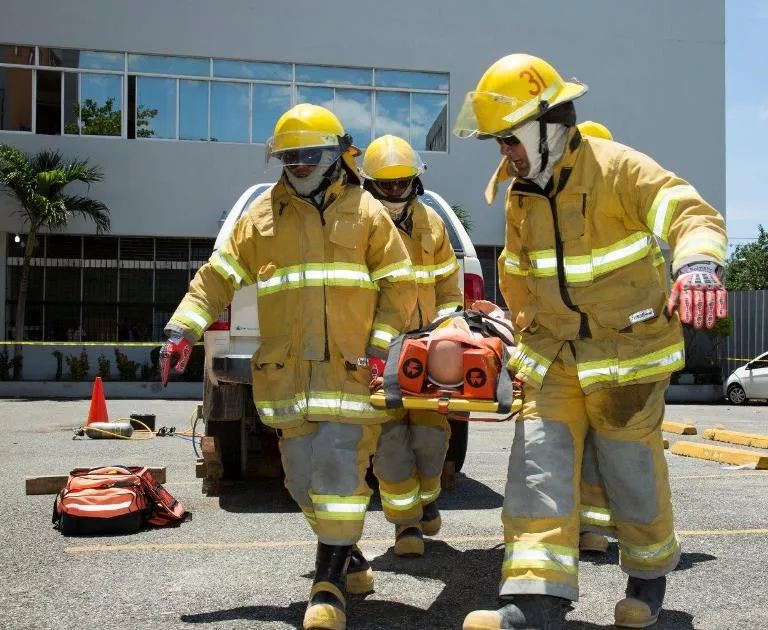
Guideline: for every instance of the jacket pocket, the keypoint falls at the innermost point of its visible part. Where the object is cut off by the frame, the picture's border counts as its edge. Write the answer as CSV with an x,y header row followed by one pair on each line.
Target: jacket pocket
x,y
346,233
273,350
572,215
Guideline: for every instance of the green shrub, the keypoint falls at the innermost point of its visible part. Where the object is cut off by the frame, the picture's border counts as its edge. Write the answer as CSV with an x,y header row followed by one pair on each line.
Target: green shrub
x,y
78,366
125,367
105,368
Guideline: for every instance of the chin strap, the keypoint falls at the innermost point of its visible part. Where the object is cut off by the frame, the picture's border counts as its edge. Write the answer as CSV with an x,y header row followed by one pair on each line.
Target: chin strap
x,y
543,145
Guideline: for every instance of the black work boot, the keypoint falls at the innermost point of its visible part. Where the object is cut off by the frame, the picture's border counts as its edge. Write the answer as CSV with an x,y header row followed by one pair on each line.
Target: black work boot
x,y
327,600
524,612
431,521
642,605
359,573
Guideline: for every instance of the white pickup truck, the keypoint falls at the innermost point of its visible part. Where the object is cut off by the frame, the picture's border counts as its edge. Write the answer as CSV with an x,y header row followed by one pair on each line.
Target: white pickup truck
x,y
228,410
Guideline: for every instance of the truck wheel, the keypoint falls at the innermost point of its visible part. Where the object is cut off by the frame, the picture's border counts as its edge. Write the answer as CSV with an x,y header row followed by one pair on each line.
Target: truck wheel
x,y
229,435
457,446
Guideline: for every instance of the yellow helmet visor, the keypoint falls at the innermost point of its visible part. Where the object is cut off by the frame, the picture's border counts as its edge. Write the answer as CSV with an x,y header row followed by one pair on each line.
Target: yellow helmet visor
x,y
299,147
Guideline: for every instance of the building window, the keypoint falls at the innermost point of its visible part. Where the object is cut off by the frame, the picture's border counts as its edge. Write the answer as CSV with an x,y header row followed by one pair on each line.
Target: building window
x,y
106,288
161,97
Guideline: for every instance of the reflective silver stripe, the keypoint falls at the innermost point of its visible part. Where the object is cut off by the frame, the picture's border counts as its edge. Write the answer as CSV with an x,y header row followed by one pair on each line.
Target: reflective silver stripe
x,y
593,513
273,408
529,361
225,266
314,275
396,271
428,497
337,404
380,334
87,507
652,552
663,208
639,243
340,507
400,501
200,321
520,555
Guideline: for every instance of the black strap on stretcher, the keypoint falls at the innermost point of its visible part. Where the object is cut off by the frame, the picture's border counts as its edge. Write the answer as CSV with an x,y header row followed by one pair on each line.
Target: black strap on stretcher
x,y
478,322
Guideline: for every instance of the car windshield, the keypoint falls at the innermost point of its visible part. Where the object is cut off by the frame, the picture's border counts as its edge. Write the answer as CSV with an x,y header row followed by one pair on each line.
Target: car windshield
x,y
429,200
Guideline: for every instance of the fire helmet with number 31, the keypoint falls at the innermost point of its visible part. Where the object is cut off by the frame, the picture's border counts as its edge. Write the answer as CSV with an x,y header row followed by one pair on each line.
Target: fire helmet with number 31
x,y
515,89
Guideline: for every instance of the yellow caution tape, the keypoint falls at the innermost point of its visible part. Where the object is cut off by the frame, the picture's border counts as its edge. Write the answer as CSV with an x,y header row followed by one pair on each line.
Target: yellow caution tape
x,y
86,343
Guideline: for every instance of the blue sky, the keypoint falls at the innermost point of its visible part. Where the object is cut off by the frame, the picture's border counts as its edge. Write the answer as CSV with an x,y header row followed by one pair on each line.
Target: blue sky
x,y
746,117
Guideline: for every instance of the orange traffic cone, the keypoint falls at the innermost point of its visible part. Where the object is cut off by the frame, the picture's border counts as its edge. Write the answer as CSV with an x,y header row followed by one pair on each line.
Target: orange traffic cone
x,y
98,410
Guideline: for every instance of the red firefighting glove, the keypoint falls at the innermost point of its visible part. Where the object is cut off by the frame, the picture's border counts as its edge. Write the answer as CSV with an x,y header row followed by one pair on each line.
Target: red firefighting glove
x,y
175,352
699,293
376,366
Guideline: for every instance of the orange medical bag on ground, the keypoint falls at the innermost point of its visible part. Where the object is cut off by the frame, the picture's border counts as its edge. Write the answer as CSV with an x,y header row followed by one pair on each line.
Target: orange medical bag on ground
x,y
483,382
114,500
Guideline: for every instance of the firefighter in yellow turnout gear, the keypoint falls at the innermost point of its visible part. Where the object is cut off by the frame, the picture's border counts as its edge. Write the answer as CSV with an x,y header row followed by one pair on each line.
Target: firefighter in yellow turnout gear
x,y
412,447
599,338
335,284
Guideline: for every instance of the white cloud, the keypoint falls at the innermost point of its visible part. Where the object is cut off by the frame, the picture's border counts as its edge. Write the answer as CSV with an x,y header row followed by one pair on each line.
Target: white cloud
x,y
762,112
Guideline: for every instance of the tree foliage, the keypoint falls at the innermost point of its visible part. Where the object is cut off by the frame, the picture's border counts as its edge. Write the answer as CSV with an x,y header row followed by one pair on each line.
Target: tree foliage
x,y
464,217
38,182
747,267
104,120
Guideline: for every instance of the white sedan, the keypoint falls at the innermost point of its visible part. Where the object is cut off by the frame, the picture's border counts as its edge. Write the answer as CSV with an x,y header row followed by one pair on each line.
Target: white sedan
x,y
749,381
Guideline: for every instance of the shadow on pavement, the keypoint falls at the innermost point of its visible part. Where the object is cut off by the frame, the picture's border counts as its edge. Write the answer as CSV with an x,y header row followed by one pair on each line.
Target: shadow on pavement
x,y
270,496
611,556
471,582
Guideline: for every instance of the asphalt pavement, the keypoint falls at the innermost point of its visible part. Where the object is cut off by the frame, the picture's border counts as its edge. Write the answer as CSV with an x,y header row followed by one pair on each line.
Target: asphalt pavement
x,y
245,560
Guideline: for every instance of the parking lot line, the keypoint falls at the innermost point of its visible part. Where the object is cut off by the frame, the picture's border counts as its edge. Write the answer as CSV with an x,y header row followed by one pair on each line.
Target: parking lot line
x,y
278,544
717,476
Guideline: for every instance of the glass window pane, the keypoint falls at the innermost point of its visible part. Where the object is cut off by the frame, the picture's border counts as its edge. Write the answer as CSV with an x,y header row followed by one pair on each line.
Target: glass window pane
x,y
15,99
100,248
156,103
61,323
409,79
176,249
269,103
353,107
229,112
34,280
135,322
328,74
392,112
48,113
135,286
100,284
63,246
232,68
429,121
71,105
315,95
202,248
101,104
62,284
193,110
157,64
136,248
88,59
100,324
23,55
170,286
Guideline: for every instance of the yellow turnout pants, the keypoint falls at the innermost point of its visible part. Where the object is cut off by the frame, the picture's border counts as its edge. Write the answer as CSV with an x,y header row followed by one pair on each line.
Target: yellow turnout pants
x,y
408,463
542,497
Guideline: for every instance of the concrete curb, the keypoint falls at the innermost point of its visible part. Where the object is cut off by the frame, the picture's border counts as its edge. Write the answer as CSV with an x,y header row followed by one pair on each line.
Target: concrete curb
x,y
112,389
735,437
681,428
721,454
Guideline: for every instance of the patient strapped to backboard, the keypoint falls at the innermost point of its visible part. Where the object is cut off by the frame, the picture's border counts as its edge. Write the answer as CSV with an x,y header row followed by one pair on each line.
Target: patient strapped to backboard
x,y
457,364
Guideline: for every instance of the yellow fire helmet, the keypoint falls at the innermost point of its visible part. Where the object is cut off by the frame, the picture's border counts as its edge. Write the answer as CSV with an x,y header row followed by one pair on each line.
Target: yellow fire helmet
x,y
514,90
390,157
595,130
304,131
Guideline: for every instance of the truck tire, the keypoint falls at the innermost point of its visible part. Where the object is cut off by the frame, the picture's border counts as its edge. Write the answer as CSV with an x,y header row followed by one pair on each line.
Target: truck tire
x,y
230,436
457,446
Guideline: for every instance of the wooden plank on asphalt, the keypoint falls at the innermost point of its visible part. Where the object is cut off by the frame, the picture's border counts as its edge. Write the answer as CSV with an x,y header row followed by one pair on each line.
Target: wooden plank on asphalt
x,y
683,428
666,443
736,437
723,454
51,484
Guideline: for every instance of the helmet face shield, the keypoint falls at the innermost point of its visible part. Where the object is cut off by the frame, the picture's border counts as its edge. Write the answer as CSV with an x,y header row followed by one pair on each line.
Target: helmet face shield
x,y
300,148
391,158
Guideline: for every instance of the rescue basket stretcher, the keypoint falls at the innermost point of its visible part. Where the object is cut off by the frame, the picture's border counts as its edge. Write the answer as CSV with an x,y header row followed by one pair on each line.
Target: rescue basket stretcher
x,y
480,380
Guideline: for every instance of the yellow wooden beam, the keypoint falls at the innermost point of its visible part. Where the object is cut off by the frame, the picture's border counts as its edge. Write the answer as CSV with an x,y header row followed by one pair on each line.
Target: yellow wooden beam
x,y
51,484
723,454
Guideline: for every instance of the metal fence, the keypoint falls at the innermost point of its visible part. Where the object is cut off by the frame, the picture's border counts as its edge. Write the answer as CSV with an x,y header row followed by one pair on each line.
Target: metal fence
x,y
749,312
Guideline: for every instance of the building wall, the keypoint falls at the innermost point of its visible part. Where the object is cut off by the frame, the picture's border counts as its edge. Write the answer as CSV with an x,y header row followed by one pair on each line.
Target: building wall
x,y
647,65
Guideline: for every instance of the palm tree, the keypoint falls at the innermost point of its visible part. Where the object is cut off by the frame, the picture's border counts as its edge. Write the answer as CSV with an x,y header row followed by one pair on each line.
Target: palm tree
x,y
38,183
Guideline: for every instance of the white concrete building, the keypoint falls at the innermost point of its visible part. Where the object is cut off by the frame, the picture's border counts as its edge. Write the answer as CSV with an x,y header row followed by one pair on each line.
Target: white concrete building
x,y
188,90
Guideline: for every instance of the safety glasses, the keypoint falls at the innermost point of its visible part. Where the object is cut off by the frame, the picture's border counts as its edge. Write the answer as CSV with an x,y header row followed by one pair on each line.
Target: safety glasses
x,y
308,157
390,186
509,141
